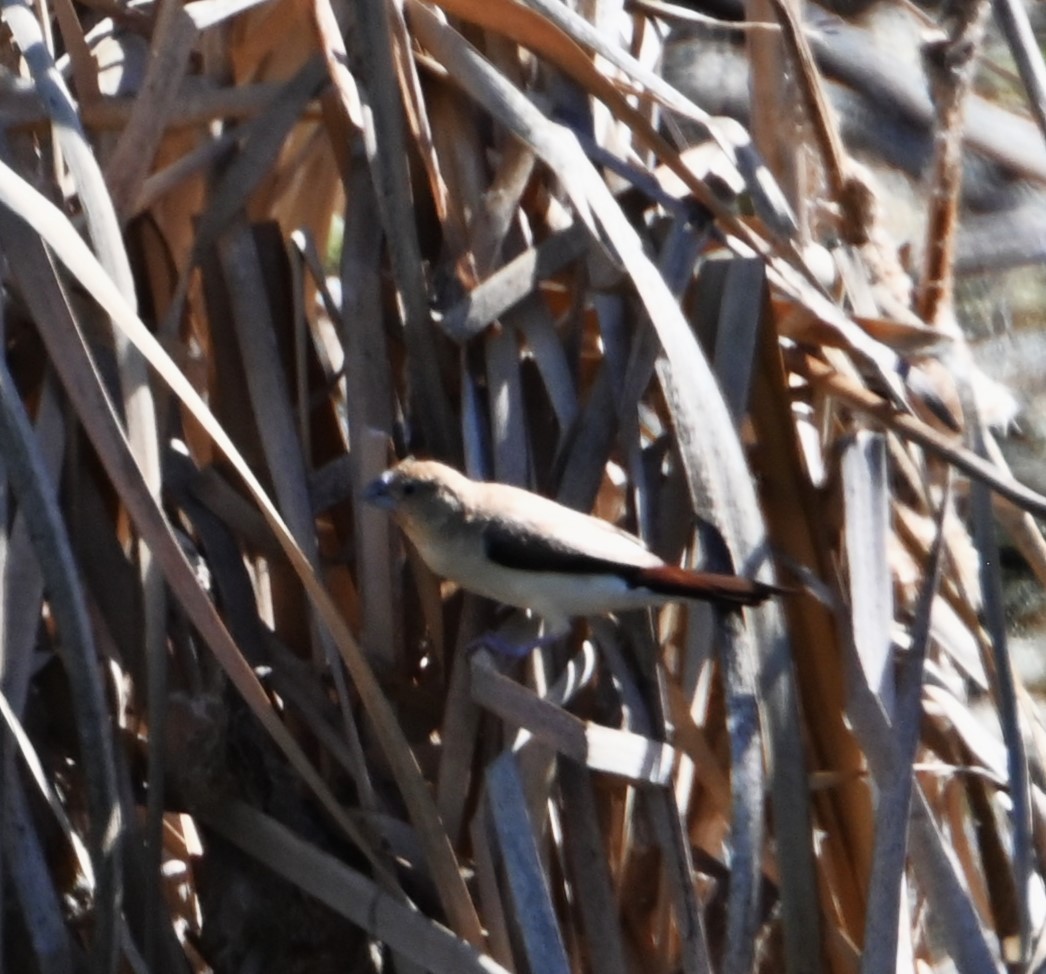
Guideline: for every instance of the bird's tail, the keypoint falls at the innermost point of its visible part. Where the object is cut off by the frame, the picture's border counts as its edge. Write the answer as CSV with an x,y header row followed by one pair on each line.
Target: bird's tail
x,y
706,586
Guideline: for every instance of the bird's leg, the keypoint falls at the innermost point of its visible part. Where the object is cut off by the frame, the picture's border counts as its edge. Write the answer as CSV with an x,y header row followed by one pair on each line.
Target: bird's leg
x,y
517,638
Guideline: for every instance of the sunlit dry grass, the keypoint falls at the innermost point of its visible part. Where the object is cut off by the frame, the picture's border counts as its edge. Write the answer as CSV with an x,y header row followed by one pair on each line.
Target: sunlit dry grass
x,y
243,729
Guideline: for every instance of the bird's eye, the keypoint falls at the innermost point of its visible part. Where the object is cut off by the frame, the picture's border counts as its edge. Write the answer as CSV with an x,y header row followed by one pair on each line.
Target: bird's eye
x,y
409,489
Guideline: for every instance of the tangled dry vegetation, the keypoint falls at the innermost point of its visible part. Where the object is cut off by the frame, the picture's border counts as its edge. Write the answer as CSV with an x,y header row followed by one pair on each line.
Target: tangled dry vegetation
x,y
241,729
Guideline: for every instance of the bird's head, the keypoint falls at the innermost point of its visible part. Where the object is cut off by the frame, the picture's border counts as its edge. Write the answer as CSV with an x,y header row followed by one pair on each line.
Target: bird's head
x,y
419,492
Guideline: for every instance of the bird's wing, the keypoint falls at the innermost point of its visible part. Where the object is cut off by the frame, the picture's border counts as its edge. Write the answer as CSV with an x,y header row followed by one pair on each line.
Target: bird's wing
x,y
528,533
523,550
542,536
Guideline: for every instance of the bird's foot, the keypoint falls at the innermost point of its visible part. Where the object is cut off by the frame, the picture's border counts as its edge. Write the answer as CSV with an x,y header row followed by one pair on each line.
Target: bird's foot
x,y
502,645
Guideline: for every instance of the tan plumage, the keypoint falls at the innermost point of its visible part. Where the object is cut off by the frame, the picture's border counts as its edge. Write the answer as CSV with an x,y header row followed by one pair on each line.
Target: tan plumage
x,y
525,550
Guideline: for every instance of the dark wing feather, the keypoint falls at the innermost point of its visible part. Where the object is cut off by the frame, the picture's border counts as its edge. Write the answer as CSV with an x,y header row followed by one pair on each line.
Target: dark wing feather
x,y
530,552
525,551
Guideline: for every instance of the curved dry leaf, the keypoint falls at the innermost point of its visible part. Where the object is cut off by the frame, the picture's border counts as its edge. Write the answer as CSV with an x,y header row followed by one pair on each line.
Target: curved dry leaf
x,y
52,227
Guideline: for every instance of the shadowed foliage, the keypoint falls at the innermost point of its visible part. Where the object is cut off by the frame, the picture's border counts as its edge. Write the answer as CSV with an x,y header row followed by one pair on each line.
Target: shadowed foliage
x,y
693,269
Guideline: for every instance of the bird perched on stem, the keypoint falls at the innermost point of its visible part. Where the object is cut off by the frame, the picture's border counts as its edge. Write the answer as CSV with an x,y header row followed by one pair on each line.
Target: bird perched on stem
x,y
527,551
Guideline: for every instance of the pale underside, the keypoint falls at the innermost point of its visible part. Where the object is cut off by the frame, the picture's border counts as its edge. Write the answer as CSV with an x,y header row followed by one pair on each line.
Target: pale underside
x,y
556,596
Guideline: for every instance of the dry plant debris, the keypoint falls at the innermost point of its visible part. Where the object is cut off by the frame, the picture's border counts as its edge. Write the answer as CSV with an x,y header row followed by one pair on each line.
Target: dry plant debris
x,y
253,251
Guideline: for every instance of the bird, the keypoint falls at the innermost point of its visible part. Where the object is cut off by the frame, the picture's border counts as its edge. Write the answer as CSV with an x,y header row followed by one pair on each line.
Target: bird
x,y
524,550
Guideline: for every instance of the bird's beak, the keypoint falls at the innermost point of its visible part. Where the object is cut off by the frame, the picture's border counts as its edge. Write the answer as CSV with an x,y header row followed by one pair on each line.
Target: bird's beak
x,y
377,493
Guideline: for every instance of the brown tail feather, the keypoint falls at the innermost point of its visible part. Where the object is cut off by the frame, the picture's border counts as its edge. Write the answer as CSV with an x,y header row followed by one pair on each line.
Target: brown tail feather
x,y
707,586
